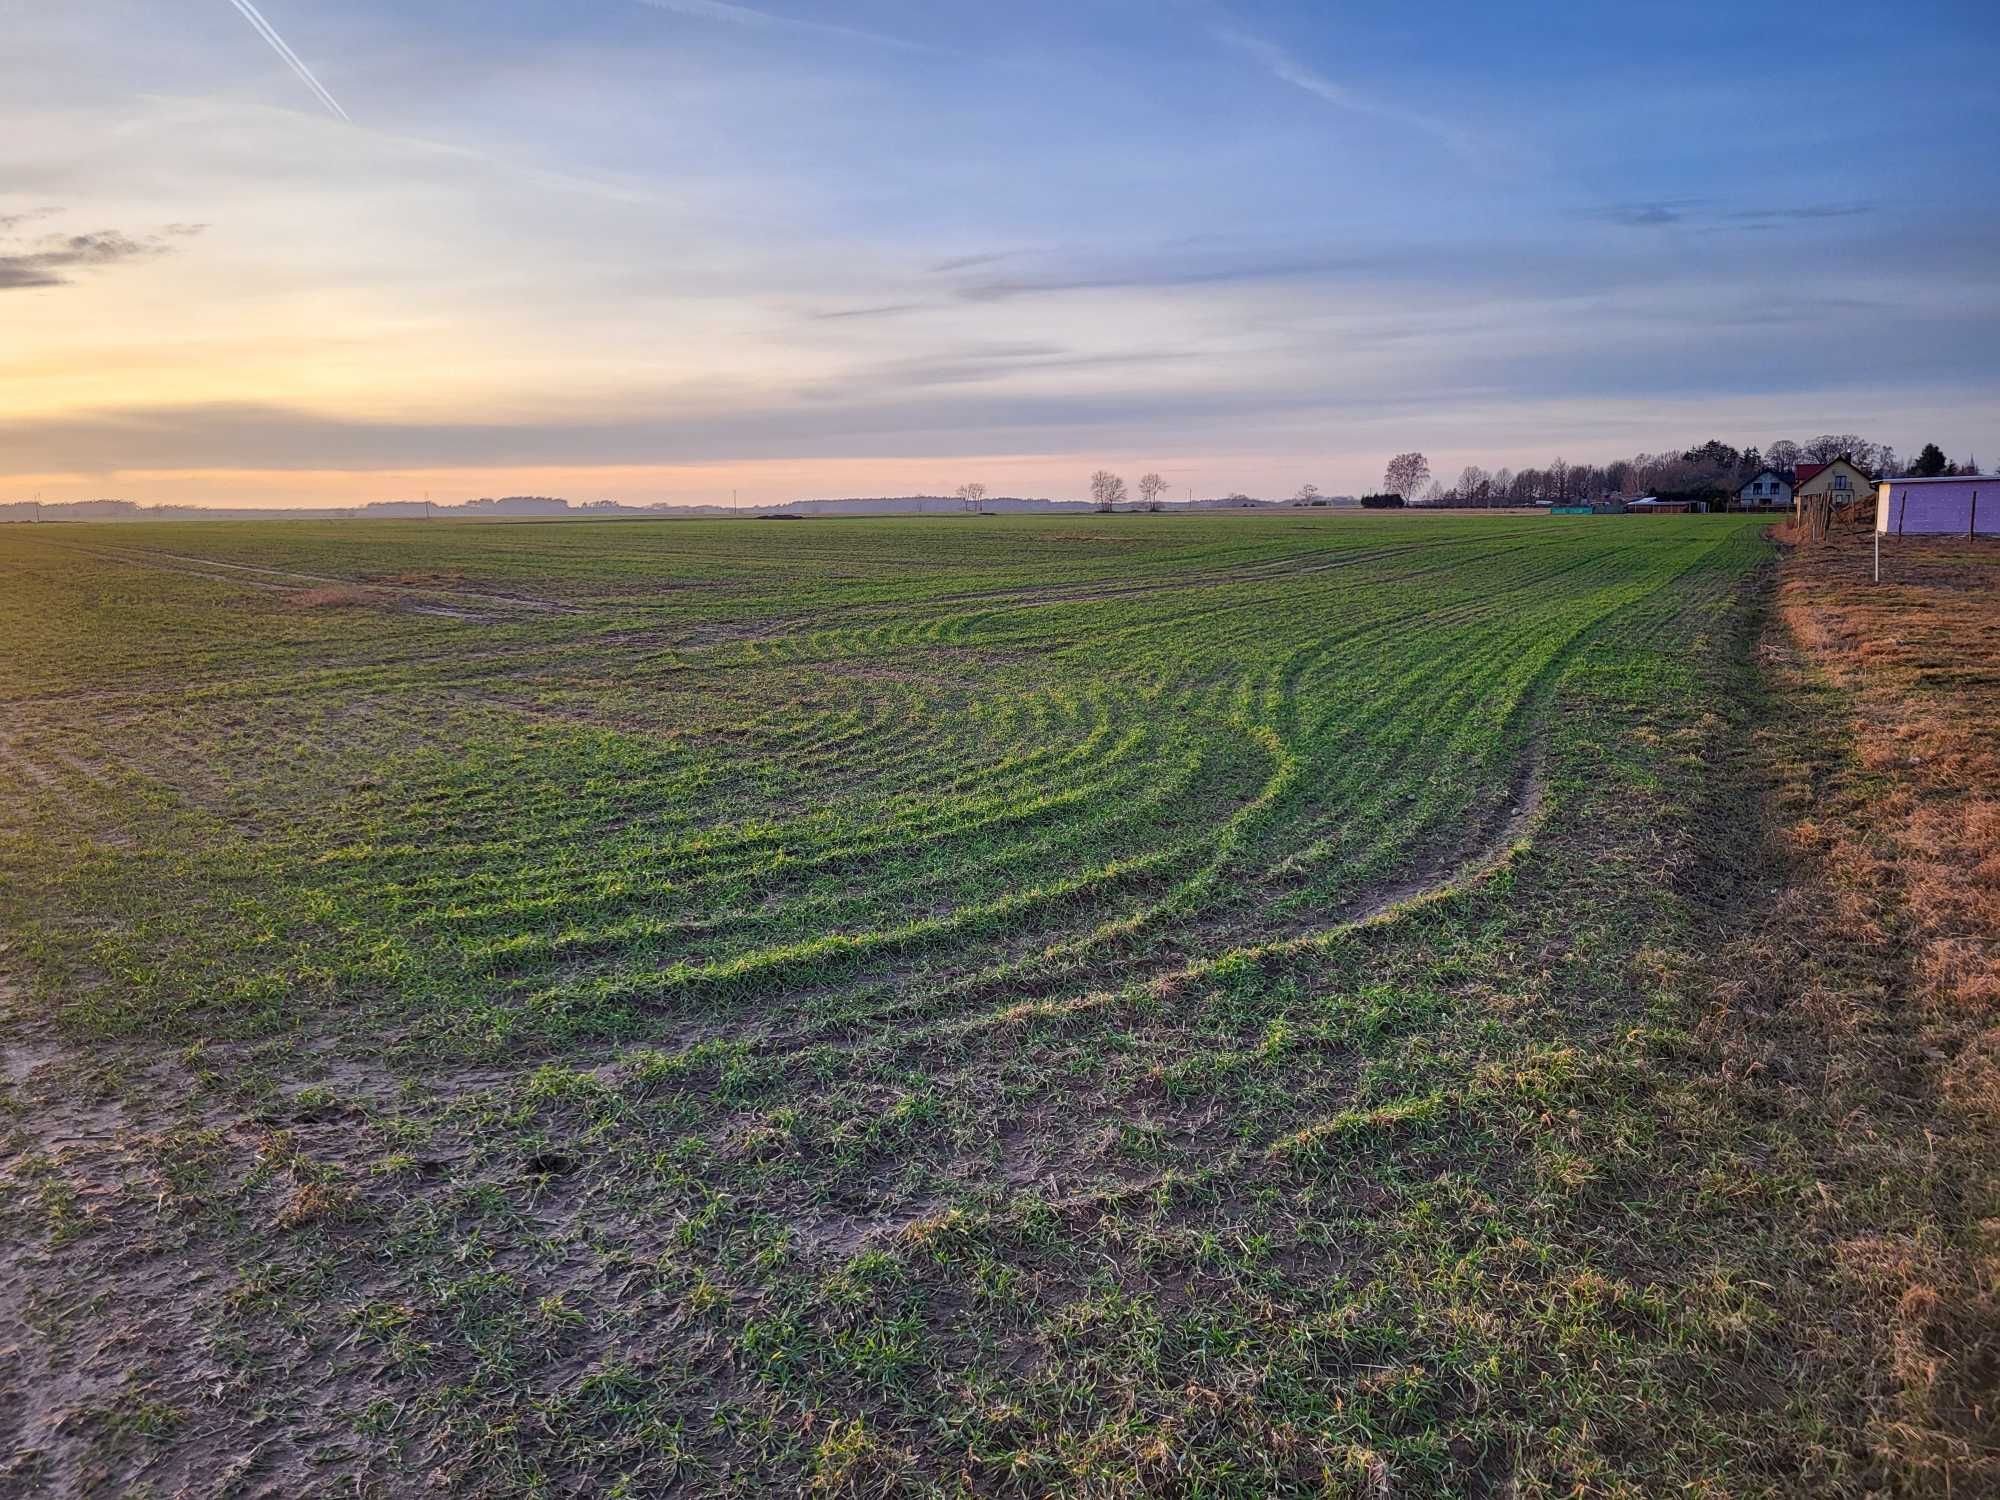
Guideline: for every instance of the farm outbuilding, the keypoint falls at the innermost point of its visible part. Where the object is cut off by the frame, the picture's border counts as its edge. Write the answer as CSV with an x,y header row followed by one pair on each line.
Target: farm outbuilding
x,y
1963,505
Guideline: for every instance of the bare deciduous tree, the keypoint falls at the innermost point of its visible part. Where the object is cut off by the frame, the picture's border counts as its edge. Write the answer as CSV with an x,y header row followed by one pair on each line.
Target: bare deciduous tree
x,y
1406,475
1306,495
1559,480
1828,446
1475,486
1783,454
1151,487
973,496
1107,489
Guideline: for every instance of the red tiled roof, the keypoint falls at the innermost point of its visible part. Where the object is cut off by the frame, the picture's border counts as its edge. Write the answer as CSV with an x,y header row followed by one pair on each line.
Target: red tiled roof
x,y
1806,471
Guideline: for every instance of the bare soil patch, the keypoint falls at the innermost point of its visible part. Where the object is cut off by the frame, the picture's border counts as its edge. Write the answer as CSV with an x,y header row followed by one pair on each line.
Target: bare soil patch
x,y
333,596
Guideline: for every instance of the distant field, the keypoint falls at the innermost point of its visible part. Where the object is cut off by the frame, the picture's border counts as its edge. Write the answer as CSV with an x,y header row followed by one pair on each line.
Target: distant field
x,y
1138,1004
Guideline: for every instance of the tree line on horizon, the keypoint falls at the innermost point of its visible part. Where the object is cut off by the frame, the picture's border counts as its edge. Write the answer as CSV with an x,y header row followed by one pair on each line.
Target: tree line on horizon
x,y
1702,472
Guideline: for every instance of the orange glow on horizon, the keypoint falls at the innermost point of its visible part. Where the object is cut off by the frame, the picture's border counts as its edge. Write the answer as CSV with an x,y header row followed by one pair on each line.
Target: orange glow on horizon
x,y
763,482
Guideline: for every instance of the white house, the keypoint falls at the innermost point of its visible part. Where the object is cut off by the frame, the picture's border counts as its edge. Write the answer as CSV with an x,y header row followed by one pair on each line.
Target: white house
x,y
1768,489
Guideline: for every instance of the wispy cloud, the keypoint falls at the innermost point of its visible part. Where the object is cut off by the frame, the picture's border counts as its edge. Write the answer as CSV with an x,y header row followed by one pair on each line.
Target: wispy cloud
x,y
1215,268
1283,66
886,310
1699,213
1649,215
764,20
967,262
46,262
985,363
1804,213
270,34
26,216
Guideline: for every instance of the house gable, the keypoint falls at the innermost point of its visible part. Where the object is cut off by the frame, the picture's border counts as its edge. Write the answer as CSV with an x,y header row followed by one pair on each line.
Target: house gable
x,y
1780,486
1825,481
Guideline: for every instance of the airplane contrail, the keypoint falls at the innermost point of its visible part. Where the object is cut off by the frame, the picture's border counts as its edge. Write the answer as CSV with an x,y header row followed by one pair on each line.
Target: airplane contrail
x,y
1290,70
269,33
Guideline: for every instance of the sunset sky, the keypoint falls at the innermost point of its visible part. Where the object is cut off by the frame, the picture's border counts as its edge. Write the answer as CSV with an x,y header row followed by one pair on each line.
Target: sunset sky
x,y
659,249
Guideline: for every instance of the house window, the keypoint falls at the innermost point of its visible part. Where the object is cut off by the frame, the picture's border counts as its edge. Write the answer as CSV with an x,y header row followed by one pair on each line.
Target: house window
x,y
1840,481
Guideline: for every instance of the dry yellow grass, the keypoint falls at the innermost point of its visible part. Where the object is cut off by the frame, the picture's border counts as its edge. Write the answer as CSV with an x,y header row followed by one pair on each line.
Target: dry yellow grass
x,y
1900,881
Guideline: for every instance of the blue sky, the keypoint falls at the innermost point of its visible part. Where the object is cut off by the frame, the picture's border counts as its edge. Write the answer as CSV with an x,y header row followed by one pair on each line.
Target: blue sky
x,y
663,250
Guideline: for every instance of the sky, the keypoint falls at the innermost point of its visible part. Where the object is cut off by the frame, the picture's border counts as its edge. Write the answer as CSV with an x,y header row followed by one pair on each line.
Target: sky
x,y
667,250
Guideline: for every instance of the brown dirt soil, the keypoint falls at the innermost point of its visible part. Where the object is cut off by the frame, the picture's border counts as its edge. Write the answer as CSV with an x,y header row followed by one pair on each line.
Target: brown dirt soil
x,y
331,596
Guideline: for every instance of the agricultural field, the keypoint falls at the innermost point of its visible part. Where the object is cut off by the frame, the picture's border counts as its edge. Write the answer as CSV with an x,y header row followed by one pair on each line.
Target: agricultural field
x,y
1110,1005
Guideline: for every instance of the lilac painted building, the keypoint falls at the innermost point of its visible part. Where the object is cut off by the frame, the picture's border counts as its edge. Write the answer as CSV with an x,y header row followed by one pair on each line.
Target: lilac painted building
x,y
1968,505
